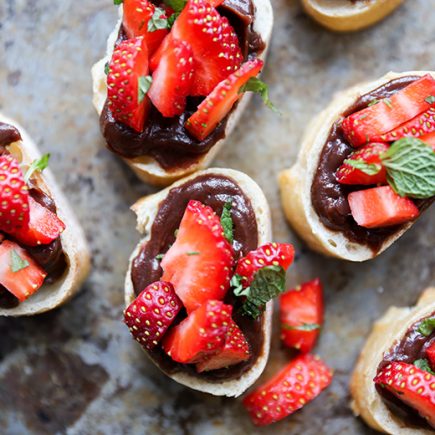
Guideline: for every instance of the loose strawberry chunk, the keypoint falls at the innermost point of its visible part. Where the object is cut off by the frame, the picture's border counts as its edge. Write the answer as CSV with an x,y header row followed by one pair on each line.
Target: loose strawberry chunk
x,y
149,316
301,312
412,386
172,80
381,207
219,103
429,139
199,263
296,384
374,121
370,154
128,68
19,274
430,352
202,334
235,351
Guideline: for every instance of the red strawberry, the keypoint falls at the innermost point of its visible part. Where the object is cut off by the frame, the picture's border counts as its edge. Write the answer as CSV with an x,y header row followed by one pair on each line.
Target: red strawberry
x,y
127,69
149,316
235,351
172,80
370,154
215,46
412,386
202,334
429,139
14,195
430,352
301,313
199,264
374,121
381,207
221,100
296,384
19,274
271,254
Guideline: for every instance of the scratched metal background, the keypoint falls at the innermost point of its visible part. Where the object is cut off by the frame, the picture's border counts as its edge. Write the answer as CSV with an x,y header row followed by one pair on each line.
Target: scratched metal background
x,y
76,370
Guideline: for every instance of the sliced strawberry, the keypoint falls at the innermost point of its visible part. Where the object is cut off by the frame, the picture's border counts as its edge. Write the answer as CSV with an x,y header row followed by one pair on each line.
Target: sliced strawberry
x,y
199,264
381,207
412,386
127,69
370,154
374,121
149,316
19,274
235,351
430,352
215,3
429,139
295,385
172,80
215,46
301,312
219,103
202,334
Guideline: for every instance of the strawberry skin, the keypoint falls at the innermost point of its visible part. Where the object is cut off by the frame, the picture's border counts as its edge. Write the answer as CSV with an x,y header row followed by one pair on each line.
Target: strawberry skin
x,y
429,139
149,316
200,262
412,386
295,385
218,104
430,353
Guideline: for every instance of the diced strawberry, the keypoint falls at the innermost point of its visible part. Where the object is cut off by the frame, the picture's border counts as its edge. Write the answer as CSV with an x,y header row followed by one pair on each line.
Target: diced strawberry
x,y
215,3
381,207
199,264
235,351
19,274
430,353
374,121
370,154
301,312
202,334
412,386
294,386
219,103
429,139
128,68
215,46
172,80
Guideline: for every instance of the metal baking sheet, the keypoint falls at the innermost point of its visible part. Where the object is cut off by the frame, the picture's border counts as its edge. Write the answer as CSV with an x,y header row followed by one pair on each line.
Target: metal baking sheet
x,y
76,370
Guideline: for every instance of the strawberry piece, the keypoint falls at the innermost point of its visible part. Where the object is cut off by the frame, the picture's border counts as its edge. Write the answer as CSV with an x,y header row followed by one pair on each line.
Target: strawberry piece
x,y
14,195
429,139
135,20
374,121
381,207
215,3
215,46
21,280
370,154
129,65
235,351
295,385
200,262
430,353
301,312
219,103
202,334
412,386
172,79
149,316
271,254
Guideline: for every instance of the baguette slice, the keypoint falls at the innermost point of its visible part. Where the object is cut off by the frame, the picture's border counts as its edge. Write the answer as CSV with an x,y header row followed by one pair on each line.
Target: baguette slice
x,y
146,210
73,239
296,182
147,168
391,327
349,15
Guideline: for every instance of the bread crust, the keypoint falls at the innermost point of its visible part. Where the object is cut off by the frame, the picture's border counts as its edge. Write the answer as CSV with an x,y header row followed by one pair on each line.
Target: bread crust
x,y
73,240
389,329
146,209
147,168
295,183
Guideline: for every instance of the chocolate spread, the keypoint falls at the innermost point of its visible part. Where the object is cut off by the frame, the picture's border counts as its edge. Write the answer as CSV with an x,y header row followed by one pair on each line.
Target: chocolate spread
x,y
329,197
213,190
165,139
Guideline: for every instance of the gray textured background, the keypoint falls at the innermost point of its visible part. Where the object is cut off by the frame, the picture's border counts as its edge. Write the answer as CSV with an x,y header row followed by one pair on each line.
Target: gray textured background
x,y
76,370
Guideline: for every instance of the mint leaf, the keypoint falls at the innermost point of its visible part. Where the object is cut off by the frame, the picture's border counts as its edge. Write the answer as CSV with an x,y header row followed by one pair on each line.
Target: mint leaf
x,y
423,364
227,222
118,2
176,5
172,18
373,102
106,68
303,327
37,165
157,22
17,263
144,84
430,99
236,283
159,257
254,84
427,326
367,168
192,253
